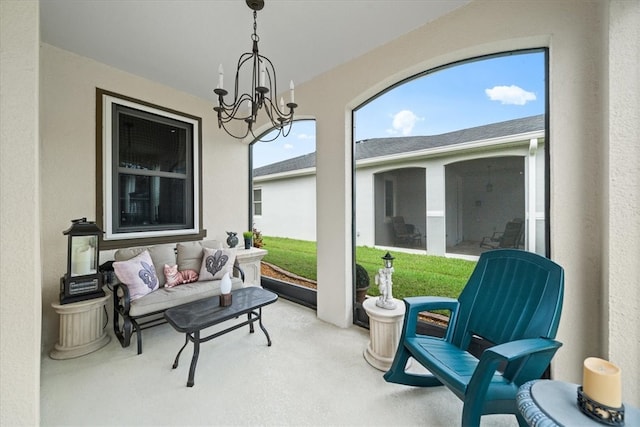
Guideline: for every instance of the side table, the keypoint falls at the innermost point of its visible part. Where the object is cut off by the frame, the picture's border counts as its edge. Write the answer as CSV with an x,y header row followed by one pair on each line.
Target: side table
x,y
547,403
249,261
385,327
82,328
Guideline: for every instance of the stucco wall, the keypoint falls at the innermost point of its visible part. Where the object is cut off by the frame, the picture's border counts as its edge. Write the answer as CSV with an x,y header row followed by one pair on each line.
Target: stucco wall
x,y
622,209
20,215
577,36
68,155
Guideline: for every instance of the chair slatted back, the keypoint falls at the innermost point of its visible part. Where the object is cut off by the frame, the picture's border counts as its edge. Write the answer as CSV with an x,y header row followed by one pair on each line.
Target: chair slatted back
x,y
511,294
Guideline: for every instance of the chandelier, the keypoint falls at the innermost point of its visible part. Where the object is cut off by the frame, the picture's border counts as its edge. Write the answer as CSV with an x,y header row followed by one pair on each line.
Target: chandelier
x,y
245,107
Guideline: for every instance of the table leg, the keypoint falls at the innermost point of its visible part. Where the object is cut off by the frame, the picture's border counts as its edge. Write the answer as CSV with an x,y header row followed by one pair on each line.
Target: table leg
x,y
194,359
250,323
186,341
262,327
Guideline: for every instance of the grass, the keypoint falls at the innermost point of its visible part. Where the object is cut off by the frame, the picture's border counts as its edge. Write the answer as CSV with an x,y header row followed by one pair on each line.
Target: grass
x,y
413,275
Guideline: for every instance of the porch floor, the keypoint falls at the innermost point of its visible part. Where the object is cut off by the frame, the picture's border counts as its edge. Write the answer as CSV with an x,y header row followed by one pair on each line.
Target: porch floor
x,y
314,374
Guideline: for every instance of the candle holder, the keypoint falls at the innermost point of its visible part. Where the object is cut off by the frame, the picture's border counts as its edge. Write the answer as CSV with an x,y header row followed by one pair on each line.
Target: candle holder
x,y
602,413
225,300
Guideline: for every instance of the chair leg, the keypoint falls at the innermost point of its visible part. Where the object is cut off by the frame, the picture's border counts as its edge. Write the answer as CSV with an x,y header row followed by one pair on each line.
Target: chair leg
x,y
397,373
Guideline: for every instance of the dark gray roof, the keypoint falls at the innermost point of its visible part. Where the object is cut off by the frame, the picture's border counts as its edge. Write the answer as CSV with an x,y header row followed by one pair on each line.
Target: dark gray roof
x,y
378,147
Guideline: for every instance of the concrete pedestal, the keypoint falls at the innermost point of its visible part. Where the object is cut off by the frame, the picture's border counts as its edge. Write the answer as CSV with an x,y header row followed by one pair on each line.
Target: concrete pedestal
x,y
249,261
82,328
385,327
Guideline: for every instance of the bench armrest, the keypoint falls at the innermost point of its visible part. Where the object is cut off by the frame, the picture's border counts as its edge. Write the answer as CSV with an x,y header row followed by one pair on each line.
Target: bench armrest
x,y
236,268
121,298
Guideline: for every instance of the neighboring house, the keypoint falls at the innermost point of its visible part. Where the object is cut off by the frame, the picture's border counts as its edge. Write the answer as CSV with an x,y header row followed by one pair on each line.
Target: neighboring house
x,y
455,187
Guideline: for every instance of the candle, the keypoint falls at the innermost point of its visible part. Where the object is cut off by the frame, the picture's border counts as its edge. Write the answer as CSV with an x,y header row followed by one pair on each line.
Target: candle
x,y
220,76
262,72
601,382
291,87
81,261
282,103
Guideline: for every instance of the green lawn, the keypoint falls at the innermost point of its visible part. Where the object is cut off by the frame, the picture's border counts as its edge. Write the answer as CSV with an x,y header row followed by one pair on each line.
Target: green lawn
x,y
413,275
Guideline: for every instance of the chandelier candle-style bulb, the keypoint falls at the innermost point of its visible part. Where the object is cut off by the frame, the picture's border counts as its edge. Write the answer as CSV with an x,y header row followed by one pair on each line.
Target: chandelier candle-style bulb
x,y
262,93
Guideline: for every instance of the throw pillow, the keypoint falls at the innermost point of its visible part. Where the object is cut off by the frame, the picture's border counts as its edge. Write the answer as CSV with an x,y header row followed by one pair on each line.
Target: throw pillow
x,y
160,255
190,253
216,262
138,274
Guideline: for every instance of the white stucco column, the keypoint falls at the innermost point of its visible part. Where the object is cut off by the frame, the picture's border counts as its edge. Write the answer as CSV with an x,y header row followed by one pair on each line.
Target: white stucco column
x,y
436,224
622,186
531,196
21,290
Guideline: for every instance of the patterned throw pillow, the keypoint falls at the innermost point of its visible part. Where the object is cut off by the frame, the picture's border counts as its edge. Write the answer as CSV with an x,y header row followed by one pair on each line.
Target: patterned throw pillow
x,y
216,262
138,274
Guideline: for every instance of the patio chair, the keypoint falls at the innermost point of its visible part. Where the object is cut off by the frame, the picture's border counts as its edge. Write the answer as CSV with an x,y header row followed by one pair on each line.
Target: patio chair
x,y
513,302
405,233
509,238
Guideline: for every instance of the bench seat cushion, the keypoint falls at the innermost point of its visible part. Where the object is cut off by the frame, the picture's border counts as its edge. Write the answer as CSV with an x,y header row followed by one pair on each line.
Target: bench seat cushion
x,y
164,298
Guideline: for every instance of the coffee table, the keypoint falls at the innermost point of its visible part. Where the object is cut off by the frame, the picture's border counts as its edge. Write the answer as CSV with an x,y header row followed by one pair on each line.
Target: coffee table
x,y
193,317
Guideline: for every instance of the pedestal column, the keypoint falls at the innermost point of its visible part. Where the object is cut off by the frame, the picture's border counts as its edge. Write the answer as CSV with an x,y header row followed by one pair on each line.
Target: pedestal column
x,y
82,328
385,327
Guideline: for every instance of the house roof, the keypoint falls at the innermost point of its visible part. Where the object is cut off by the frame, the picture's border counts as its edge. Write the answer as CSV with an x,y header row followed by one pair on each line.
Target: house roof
x,y
379,147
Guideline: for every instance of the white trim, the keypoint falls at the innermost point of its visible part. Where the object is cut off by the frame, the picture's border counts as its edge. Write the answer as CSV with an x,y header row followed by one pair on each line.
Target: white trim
x,y
107,169
437,214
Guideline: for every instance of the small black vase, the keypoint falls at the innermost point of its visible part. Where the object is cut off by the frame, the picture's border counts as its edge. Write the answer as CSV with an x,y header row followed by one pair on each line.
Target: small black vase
x,y
232,240
247,243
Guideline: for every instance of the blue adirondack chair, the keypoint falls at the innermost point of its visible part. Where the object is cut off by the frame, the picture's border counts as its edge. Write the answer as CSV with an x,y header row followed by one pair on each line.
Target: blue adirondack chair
x,y
513,299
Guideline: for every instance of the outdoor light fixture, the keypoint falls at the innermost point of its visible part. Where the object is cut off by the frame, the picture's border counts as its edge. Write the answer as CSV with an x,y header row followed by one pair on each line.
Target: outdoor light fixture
x,y
83,280
245,106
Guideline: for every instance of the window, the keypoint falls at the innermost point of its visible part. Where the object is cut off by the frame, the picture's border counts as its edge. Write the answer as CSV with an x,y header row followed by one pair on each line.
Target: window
x,y
257,201
150,173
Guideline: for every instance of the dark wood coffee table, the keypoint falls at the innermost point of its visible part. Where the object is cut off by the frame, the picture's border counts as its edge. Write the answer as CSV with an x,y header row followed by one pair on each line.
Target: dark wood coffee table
x,y
193,317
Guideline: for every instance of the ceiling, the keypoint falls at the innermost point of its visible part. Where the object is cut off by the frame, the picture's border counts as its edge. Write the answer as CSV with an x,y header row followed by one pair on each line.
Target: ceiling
x,y
181,43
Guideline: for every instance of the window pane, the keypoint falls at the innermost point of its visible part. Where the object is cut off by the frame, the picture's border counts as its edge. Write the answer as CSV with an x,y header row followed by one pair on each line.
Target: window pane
x,y
150,145
151,200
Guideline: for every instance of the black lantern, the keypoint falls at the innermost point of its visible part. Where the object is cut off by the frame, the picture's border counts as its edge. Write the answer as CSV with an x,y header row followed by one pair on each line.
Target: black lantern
x,y
388,260
83,280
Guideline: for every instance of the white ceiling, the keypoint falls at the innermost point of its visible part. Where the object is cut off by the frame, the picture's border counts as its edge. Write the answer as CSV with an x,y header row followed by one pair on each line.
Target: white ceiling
x,y
180,43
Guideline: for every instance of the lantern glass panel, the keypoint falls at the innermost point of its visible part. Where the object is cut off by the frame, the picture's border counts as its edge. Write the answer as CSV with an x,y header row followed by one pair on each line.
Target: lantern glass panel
x,y
84,259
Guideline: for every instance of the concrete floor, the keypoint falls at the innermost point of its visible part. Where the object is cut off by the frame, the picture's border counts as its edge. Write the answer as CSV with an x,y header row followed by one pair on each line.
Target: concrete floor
x,y
314,374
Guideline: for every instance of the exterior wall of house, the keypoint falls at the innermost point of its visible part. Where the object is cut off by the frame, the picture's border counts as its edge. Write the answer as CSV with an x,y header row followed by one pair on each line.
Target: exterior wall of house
x,y
288,207
20,280
578,36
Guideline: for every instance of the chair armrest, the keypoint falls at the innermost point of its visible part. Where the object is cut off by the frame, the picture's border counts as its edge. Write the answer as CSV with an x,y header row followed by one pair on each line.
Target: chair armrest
x,y
516,349
416,305
121,298
522,350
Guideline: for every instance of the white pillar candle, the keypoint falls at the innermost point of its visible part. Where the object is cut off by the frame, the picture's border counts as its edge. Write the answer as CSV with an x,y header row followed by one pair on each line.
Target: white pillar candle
x,y
82,261
601,382
291,88
220,77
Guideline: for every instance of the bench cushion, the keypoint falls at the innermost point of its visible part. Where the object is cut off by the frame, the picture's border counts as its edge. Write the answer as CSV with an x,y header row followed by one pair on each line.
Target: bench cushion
x,y
164,298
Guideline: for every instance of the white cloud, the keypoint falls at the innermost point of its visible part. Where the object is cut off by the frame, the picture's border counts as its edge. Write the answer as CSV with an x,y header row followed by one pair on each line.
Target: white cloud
x,y
305,136
513,95
288,146
403,122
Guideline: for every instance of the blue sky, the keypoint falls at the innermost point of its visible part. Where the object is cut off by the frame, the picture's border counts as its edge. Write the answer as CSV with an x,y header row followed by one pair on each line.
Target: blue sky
x,y
467,95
